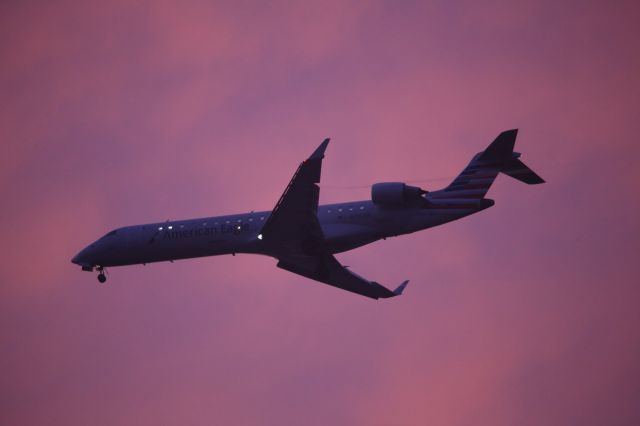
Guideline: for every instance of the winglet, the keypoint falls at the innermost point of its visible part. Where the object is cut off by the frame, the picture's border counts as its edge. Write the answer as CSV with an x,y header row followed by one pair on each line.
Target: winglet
x,y
319,152
398,291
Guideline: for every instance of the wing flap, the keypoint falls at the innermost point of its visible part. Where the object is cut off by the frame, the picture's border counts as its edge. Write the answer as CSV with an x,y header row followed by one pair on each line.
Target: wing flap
x,y
326,269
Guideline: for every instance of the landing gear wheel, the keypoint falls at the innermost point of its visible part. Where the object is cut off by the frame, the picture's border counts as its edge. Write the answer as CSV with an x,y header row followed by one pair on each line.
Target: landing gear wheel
x,y
102,277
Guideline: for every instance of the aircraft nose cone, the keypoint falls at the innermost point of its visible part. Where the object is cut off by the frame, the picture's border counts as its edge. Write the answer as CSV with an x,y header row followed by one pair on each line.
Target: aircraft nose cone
x,y
82,258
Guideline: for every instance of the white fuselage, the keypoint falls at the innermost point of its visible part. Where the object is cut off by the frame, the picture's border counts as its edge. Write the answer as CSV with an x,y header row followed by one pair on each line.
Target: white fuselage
x,y
345,226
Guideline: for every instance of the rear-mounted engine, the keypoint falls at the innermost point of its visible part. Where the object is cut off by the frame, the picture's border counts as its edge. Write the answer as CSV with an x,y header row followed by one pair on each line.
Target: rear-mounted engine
x,y
396,194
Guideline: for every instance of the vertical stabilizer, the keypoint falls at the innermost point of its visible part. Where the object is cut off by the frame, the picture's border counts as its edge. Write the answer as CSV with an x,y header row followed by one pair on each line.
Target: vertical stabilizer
x,y
501,148
476,179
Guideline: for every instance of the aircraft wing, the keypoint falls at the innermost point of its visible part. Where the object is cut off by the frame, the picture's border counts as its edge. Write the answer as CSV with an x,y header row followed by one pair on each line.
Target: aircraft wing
x,y
293,225
326,269
295,235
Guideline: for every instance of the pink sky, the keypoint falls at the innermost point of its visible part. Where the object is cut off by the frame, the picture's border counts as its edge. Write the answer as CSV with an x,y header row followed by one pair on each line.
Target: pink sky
x,y
117,113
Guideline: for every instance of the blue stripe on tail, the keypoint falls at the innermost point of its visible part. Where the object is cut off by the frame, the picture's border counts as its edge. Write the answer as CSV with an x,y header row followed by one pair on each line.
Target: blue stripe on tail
x,y
476,179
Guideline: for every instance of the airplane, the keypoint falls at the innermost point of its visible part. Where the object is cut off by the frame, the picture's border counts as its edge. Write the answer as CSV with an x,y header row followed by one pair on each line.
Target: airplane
x,y
303,236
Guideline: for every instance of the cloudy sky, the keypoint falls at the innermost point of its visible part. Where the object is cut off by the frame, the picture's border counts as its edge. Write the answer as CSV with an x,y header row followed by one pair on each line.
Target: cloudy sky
x,y
122,112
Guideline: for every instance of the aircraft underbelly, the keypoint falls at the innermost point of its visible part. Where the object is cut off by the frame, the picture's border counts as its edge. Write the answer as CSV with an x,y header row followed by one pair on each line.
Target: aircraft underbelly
x,y
341,237
430,218
147,249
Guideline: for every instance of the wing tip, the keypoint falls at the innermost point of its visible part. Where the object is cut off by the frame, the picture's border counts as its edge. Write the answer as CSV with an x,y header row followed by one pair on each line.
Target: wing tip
x,y
398,291
319,152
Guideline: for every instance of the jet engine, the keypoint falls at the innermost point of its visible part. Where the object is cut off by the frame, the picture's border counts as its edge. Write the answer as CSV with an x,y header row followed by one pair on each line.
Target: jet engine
x,y
396,194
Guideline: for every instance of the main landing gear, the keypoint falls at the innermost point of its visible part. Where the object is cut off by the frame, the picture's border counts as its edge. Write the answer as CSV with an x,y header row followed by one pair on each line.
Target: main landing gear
x,y
101,276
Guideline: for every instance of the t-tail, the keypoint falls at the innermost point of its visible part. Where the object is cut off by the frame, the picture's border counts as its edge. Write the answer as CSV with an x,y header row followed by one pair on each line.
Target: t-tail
x,y
476,179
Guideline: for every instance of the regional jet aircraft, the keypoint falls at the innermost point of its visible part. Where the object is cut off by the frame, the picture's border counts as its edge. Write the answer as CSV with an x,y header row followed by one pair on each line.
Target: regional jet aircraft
x,y
303,236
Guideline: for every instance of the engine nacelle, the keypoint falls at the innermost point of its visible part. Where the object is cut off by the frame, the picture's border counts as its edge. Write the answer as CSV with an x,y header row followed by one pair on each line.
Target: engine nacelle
x,y
395,193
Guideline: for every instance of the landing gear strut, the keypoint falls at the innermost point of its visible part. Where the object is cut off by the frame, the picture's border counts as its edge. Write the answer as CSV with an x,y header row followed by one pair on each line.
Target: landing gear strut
x,y
101,276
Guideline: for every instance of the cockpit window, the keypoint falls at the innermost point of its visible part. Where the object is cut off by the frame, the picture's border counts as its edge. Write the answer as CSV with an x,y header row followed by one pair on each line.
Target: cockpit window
x,y
111,233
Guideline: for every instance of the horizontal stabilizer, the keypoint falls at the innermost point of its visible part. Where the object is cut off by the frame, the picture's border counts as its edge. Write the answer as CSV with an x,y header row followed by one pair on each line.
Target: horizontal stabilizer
x,y
518,170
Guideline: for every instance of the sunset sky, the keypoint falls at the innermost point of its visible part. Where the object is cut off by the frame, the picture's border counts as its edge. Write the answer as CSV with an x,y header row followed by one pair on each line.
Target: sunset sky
x,y
115,113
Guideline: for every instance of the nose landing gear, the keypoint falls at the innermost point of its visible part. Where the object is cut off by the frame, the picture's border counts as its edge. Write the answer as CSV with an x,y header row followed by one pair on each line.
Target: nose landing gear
x,y
101,276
